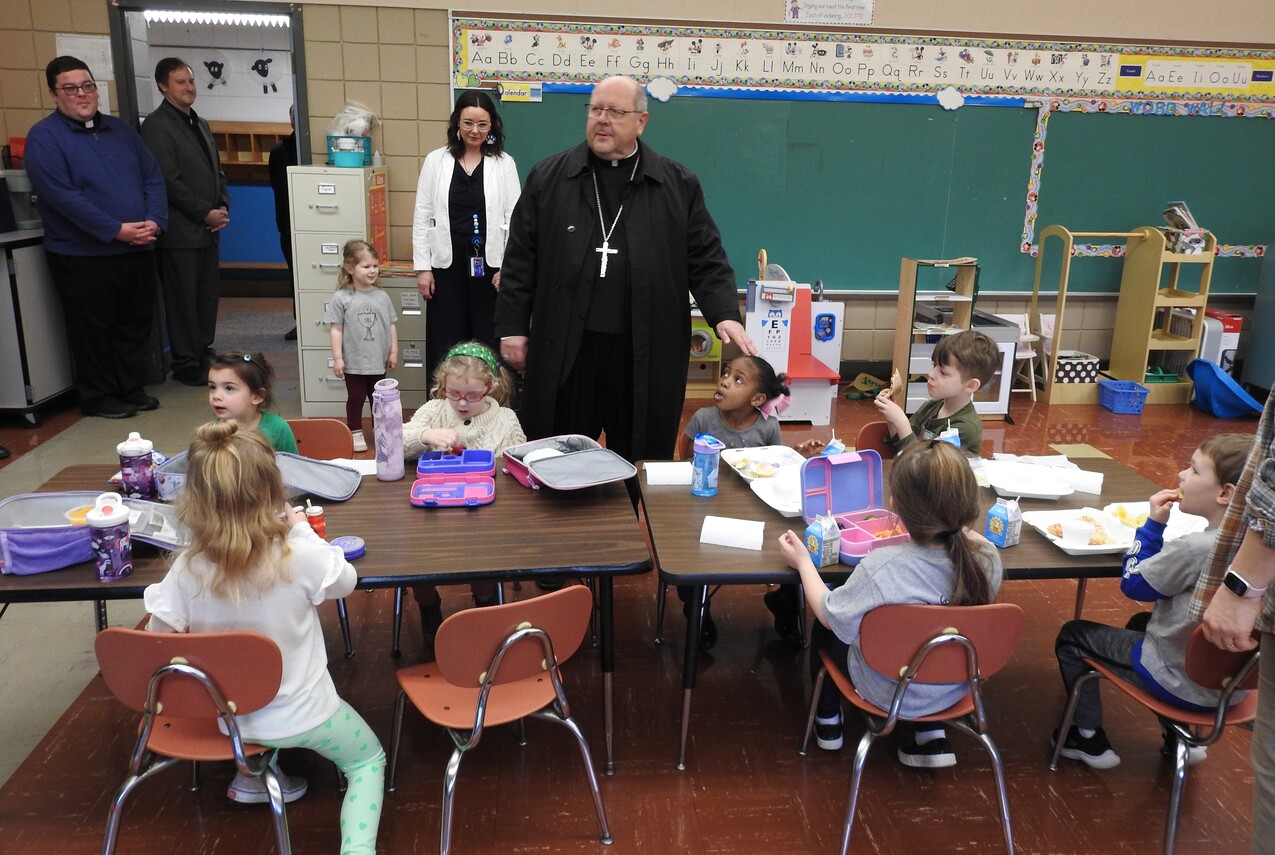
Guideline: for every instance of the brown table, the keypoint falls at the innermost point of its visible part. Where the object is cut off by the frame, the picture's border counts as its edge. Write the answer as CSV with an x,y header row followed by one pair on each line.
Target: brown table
x,y
675,517
523,534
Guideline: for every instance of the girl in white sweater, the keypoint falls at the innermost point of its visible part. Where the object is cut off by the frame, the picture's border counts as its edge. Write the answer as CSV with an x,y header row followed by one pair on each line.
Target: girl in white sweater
x,y
467,411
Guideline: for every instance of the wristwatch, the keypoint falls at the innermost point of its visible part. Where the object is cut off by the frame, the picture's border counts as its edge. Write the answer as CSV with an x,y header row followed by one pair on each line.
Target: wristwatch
x,y
1239,586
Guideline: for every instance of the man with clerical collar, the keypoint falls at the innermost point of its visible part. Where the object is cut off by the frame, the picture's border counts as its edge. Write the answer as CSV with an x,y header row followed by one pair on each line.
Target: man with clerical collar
x,y
102,203
189,249
607,241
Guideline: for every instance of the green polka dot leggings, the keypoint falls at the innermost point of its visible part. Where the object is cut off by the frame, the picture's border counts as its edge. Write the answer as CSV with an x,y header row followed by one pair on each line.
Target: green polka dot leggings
x,y
347,741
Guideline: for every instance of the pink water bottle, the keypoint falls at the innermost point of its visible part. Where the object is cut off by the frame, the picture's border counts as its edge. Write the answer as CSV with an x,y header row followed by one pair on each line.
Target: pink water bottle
x,y
387,418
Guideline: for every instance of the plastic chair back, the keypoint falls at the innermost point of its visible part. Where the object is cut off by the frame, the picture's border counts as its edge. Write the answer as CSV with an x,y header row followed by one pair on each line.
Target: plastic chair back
x,y
246,667
467,641
891,636
872,437
1215,668
323,439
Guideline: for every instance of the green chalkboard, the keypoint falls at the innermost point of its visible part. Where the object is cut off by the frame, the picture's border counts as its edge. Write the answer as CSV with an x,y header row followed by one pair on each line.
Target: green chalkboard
x,y
837,191
1113,172
840,191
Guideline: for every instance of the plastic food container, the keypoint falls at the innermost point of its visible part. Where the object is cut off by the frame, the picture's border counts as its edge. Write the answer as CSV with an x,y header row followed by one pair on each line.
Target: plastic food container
x,y
850,487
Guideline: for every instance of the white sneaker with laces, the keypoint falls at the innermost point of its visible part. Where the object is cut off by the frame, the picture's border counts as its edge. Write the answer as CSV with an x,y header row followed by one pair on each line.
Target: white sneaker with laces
x,y
360,444
248,790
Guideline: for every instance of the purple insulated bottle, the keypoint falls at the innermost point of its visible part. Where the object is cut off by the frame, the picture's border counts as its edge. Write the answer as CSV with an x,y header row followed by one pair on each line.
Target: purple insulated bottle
x,y
137,467
112,546
387,418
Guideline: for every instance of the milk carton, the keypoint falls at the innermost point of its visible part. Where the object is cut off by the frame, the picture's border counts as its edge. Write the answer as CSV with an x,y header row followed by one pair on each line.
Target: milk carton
x,y
1004,523
823,541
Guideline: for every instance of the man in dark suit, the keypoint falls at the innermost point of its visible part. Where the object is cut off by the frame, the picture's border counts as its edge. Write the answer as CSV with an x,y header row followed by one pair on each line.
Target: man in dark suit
x,y
198,208
283,155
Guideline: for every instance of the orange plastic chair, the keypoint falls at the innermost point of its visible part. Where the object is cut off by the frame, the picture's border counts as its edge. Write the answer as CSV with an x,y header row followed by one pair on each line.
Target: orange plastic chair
x,y
323,439
183,684
497,665
927,644
327,439
872,436
1209,666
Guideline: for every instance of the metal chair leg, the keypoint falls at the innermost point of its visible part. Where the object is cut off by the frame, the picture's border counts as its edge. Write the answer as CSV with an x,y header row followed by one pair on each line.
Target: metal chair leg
x,y
814,705
396,624
449,797
856,776
998,770
1180,755
277,808
1073,700
592,776
395,733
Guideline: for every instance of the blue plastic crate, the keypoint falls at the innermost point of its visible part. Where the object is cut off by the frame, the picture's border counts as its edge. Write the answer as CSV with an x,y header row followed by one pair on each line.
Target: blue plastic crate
x,y
1122,396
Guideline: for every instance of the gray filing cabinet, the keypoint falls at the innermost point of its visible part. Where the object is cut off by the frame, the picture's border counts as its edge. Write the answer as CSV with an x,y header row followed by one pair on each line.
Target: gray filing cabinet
x,y
32,330
332,205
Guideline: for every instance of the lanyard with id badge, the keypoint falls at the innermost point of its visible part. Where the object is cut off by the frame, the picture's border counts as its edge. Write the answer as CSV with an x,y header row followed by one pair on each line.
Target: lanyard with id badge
x,y
476,268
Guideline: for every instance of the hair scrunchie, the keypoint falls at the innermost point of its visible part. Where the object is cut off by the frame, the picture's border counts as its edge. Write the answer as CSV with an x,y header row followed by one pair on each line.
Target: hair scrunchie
x,y
476,350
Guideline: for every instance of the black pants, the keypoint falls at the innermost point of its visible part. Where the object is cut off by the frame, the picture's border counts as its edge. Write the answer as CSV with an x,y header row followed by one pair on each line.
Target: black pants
x,y
192,287
109,304
463,308
597,396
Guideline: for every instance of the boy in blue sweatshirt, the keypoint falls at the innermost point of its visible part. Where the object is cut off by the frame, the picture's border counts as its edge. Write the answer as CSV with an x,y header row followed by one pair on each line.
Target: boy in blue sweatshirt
x,y
1150,651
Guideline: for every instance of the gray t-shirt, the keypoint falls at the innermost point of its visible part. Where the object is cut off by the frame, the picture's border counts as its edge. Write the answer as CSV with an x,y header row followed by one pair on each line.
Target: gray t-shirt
x,y
366,317
908,573
764,431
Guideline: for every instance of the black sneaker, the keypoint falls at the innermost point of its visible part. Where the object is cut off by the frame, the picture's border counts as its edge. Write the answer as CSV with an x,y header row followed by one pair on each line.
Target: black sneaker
x,y
935,754
191,376
782,603
143,402
290,335
1095,751
1194,753
828,735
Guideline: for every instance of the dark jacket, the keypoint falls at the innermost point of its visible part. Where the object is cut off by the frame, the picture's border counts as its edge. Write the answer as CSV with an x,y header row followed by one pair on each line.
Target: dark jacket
x,y
548,277
89,182
193,178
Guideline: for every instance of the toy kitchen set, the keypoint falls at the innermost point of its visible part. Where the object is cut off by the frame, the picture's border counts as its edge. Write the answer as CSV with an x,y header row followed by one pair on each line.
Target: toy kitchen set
x,y
799,335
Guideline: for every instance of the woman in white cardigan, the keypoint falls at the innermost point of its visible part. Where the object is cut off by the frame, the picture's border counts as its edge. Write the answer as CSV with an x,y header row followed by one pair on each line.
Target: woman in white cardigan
x,y
464,199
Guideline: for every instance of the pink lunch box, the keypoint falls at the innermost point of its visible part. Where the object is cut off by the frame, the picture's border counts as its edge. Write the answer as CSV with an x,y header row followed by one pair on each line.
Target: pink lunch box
x,y
574,462
849,487
464,480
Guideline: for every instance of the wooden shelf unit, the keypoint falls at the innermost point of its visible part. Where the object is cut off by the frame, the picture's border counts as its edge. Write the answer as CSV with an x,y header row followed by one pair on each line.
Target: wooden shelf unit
x,y
1148,331
244,147
909,354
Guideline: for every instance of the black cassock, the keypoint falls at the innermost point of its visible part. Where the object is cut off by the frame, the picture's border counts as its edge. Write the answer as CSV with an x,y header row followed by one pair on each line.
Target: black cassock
x,y
550,272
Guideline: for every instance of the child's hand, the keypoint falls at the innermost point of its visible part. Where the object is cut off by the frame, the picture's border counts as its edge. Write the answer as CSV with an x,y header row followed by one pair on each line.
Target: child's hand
x,y
439,438
794,549
893,414
811,447
1162,504
338,368
392,362
292,515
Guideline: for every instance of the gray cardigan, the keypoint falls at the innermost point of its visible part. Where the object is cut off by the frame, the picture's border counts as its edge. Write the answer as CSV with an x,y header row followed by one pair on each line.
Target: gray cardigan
x,y
194,180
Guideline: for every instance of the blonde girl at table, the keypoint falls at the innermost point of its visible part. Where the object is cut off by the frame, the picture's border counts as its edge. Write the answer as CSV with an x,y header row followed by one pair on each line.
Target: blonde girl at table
x,y
946,562
469,409
254,565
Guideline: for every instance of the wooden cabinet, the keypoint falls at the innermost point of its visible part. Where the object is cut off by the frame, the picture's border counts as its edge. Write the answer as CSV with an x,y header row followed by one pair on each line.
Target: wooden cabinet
x,y
911,349
244,147
1151,329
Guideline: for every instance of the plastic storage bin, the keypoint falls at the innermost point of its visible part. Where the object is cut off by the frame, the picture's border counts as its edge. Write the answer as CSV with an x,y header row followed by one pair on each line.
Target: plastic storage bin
x,y
350,151
850,487
1122,396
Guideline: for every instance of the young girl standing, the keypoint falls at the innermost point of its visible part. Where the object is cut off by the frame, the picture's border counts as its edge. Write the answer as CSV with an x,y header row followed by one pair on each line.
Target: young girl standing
x,y
468,410
361,355
933,491
239,387
745,414
254,565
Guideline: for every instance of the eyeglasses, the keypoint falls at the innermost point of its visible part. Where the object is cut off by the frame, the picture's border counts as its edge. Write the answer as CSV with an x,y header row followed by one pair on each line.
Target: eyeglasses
x,y
475,126
70,89
596,112
471,397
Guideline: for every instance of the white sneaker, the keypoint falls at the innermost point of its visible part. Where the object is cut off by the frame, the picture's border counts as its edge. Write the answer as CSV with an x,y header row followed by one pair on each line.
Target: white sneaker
x,y
248,790
360,444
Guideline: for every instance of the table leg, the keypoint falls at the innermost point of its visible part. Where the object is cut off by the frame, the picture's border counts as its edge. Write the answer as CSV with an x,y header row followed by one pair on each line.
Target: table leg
x,y
606,645
397,623
343,615
99,609
1081,585
689,663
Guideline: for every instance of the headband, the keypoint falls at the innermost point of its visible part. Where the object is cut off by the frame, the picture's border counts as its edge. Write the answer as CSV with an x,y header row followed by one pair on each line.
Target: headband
x,y
775,405
476,350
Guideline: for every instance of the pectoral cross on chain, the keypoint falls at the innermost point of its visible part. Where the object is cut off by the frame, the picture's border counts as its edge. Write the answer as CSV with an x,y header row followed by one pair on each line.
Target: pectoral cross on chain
x,y
606,250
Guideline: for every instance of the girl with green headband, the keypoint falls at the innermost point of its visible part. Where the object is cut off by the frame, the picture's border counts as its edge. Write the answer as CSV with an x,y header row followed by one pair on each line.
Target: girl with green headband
x,y
468,409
